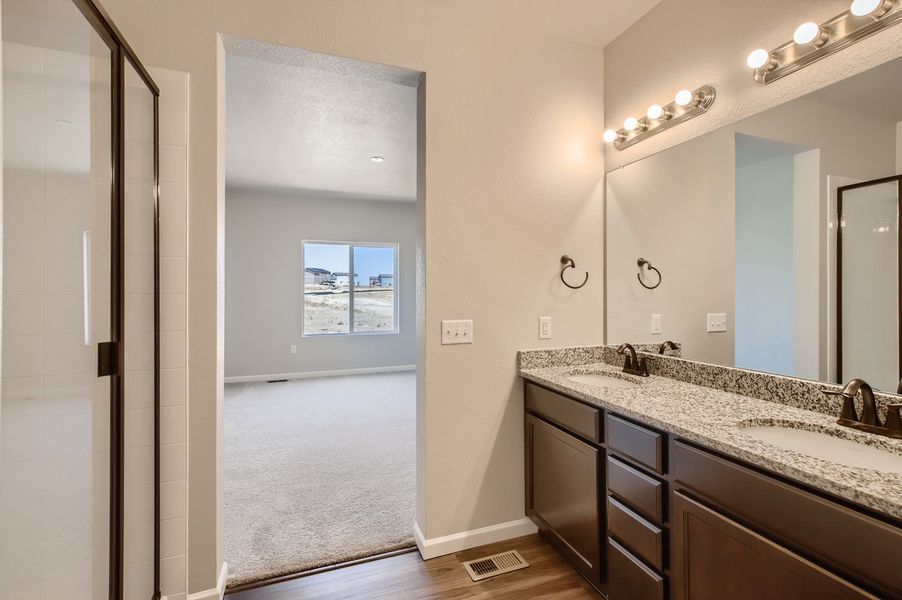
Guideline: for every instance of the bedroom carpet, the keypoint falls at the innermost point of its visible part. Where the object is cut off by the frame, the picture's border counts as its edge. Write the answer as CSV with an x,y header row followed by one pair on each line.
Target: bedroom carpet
x,y
317,472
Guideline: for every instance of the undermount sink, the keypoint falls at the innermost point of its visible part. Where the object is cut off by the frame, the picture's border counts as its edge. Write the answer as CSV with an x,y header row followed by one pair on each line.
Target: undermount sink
x,y
601,381
827,447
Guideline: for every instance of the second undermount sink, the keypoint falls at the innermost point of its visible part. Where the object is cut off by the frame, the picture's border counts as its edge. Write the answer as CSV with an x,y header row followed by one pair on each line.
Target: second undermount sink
x,y
601,381
827,447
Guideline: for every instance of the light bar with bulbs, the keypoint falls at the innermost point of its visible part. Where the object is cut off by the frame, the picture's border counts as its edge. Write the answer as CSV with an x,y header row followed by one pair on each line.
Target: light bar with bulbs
x,y
812,42
686,105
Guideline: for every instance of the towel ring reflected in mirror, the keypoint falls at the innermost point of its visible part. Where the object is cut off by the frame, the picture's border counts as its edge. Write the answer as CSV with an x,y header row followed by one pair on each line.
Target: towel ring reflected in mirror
x,y
568,263
644,263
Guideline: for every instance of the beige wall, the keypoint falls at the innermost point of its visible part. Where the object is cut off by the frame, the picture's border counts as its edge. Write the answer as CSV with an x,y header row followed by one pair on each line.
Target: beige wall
x,y
512,181
687,43
899,147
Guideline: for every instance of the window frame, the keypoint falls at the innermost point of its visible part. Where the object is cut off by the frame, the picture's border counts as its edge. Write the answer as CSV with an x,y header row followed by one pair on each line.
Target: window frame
x,y
396,276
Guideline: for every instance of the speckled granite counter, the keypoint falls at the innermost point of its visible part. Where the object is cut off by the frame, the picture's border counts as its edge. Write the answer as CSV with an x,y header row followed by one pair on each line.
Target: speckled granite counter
x,y
715,418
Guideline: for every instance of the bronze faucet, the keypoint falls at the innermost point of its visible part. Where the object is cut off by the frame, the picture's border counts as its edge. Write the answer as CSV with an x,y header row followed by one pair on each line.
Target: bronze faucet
x,y
665,346
869,420
633,363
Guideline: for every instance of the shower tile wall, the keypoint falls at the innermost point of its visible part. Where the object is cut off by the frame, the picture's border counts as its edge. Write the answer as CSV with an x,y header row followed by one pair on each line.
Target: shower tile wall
x,y
53,434
173,326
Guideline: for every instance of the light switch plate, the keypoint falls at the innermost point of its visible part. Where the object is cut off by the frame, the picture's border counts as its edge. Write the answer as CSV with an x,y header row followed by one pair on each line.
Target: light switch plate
x,y
717,322
656,326
544,328
457,332
294,349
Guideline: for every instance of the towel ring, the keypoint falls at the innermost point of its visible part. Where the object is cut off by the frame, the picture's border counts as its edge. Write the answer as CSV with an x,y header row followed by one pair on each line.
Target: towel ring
x,y
644,263
568,263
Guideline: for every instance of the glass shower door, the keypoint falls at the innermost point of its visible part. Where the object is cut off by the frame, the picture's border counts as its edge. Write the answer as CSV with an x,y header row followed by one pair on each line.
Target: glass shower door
x,y
868,336
57,203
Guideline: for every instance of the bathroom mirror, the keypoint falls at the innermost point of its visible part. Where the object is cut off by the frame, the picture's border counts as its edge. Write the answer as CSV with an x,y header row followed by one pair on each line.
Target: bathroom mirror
x,y
776,238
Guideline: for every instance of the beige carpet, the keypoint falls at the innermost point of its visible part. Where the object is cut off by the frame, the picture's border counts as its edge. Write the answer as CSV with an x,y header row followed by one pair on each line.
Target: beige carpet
x,y
317,471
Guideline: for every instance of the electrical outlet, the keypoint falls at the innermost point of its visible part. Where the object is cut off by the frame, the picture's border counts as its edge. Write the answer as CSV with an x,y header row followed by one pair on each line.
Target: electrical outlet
x,y
544,328
294,349
717,322
656,327
457,332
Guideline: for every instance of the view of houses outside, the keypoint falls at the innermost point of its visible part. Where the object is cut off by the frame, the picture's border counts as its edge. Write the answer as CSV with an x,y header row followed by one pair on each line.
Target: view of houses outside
x,y
328,288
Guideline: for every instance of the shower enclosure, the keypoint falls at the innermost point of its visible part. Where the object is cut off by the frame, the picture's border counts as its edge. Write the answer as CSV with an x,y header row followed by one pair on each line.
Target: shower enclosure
x,y
868,302
79,378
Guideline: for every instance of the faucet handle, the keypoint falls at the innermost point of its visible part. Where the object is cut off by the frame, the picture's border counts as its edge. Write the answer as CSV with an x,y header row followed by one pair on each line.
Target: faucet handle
x,y
893,420
848,412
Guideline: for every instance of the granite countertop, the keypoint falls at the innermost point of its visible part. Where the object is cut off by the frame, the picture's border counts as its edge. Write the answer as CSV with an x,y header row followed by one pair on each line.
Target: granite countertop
x,y
715,419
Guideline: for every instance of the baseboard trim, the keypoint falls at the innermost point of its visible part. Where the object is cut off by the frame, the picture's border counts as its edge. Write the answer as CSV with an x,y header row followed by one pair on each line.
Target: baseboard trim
x,y
449,544
216,593
312,374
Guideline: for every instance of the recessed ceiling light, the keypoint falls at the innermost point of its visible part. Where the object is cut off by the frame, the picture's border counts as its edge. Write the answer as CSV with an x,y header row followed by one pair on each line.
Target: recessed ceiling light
x,y
377,159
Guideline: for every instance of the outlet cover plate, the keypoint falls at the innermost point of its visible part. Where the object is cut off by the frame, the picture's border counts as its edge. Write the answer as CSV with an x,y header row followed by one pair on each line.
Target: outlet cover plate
x,y
717,322
544,328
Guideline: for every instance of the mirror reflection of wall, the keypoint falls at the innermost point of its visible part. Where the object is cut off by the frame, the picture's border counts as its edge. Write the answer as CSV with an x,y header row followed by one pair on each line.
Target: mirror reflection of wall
x,y
743,221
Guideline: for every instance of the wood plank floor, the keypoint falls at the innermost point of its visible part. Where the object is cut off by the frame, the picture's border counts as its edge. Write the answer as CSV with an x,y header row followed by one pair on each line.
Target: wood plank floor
x,y
409,577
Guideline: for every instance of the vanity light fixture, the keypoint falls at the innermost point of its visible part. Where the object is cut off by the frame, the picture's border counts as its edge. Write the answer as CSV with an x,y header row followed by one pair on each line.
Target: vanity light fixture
x,y
812,42
686,105
377,159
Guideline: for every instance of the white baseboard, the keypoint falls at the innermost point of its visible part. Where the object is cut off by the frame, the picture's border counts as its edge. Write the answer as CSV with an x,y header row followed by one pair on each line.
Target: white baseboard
x,y
465,540
216,593
311,374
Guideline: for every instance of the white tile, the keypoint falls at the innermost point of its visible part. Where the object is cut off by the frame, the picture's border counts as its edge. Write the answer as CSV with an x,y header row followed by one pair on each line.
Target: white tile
x,y
21,439
173,536
138,546
173,499
139,389
139,314
139,201
20,523
173,312
173,390
67,65
69,394
20,566
138,116
173,125
23,118
173,237
138,427
173,163
23,190
172,575
22,58
23,314
172,350
173,200
23,274
173,275
173,85
67,556
63,274
68,515
23,235
139,237
71,193
68,355
75,587
65,314
173,424
20,481
139,274
22,397
139,161
64,233
65,475
23,355
139,466
173,462
138,504
139,351
67,435
138,580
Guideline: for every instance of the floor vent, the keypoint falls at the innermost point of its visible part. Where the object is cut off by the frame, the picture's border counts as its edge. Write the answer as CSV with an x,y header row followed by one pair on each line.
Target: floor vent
x,y
497,564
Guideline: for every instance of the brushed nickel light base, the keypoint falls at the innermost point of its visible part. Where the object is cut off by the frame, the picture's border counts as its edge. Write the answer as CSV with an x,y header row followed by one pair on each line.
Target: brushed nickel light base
x,y
841,31
673,115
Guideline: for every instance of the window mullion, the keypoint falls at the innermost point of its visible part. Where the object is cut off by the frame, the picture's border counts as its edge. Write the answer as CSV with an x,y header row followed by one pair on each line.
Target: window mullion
x,y
351,288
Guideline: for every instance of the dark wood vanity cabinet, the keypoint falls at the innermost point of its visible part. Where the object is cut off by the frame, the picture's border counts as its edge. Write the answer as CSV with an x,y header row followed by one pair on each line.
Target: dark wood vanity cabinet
x,y
563,481
646,517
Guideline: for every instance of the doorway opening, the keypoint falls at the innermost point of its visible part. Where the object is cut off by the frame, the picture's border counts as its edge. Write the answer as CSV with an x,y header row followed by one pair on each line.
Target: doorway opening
x,y
319,427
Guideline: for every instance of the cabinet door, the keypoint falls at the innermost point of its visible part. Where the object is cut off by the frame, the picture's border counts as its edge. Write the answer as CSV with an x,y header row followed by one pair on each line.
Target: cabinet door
x,y
563,495
715,558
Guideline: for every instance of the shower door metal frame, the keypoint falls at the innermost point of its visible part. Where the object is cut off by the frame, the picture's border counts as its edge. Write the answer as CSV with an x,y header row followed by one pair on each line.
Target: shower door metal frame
x,y
121,52
839,206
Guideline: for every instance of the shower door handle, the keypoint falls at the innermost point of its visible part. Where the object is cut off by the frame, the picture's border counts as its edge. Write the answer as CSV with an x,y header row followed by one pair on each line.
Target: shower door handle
x,y
107,359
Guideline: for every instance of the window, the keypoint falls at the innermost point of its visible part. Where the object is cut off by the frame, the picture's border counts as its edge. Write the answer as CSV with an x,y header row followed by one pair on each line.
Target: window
x,y
350,288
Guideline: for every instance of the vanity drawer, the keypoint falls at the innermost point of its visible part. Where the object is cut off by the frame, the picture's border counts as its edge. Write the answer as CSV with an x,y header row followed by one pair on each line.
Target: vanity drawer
x,y
566,412
863,548
642,493
636,442
629,579
644,539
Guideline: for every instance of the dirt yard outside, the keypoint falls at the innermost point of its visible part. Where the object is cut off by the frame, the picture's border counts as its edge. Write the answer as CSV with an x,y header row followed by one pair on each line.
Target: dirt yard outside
x,y
326,311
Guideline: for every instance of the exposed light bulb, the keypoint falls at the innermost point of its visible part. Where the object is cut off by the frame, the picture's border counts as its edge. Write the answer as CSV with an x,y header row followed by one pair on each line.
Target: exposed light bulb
x,y
873,8
631,124
809,33
758,59
610,136
684,98
654,112
377,159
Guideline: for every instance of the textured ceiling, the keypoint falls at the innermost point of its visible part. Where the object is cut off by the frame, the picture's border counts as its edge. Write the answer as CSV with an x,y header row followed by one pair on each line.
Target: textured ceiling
x,y
310,122
592,22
